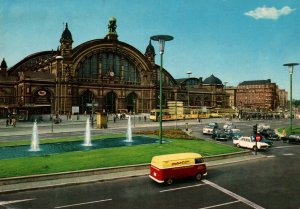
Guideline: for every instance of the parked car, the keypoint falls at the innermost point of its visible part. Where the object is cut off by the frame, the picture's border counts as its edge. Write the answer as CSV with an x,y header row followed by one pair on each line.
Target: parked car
x,y
291,138
269,134
248,142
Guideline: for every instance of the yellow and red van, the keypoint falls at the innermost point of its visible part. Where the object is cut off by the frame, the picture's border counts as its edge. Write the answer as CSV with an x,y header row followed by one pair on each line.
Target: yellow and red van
x,y
166,168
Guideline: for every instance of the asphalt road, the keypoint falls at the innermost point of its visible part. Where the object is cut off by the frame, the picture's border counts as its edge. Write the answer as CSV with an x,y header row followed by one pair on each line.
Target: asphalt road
x,y
271,182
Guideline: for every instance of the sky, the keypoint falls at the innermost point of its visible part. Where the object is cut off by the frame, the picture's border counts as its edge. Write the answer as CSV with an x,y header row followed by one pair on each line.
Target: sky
x,y
235,40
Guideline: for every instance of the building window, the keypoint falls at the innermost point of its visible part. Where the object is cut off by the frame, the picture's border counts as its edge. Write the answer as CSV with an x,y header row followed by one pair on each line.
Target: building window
x,y
109,62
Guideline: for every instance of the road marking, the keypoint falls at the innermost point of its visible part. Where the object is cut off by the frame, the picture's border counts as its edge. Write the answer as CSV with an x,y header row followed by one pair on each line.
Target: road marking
x,y
13,201
288,154
270,156
283,147
236,196
179,188
215,206
84,203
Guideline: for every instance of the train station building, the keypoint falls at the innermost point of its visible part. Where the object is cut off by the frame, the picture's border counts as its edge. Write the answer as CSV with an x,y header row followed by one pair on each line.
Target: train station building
x,y
105,74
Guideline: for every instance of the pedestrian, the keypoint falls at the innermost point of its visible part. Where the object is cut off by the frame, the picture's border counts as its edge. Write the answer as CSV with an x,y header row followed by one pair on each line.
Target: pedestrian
x,y
283,132
7,122
145,118
14,121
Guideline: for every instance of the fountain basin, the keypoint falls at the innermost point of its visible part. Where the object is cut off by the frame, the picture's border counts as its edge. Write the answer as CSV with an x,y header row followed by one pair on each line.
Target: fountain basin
x,y
62,147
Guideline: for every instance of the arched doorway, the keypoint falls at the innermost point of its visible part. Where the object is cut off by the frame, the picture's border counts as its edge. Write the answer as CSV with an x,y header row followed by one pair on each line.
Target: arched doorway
x,y
85,99
131,100
42,99
110,102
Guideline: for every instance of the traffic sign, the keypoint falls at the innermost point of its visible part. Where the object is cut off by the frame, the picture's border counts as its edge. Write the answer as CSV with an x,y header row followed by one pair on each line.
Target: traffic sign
x,y
257,137
91,104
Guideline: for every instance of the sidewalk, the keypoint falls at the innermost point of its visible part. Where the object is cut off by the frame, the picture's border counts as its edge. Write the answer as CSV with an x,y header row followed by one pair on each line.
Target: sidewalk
x,y
45,127
57,182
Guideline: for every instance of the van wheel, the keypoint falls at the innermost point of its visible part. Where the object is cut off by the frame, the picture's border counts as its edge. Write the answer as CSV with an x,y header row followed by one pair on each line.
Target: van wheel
x,y
255,148
169,181
199,176
238,145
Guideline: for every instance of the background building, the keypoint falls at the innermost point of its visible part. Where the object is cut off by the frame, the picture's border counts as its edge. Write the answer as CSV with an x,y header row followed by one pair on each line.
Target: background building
x,y
260,96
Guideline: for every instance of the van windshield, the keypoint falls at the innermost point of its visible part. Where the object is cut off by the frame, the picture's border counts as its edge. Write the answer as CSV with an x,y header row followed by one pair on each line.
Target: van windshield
x,y
198,160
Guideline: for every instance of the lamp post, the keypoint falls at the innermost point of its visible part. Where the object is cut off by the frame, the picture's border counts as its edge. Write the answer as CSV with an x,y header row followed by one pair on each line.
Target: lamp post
x,y
189,73
161,39
134,110
58,90
291,67
51,101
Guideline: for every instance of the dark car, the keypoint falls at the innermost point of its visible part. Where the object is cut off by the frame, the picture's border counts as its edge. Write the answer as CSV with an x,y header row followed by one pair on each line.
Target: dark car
x,y
220,135
234,133
291,138
269,134
267,141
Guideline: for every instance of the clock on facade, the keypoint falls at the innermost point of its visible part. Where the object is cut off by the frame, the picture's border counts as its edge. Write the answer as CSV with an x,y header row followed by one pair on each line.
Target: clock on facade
x,y
111,73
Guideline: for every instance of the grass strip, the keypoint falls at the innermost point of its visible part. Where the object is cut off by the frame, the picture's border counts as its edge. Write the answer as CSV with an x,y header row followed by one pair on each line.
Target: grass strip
x,y
107,157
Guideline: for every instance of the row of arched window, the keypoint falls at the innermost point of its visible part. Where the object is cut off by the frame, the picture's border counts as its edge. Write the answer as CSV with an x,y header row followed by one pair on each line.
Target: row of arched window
x,y
101,65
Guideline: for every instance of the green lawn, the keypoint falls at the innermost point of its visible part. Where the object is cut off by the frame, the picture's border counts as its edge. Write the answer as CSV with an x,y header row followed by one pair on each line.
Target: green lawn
x,y
101,158
296,129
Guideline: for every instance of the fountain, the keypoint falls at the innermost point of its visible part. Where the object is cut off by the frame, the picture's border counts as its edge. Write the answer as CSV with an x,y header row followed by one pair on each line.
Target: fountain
x,y
87,137
8,152
35,138
129,131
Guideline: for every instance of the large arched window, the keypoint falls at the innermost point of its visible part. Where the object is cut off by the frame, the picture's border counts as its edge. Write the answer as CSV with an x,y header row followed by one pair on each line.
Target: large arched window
x,y
86,98
110,102
104,64
131,100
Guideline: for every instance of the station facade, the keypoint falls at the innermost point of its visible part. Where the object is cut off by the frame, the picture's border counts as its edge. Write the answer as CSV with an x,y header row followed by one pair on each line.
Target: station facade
x,y
104,75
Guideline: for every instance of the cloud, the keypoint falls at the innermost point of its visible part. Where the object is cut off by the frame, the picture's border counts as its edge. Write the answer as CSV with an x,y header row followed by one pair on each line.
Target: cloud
x,y
269,12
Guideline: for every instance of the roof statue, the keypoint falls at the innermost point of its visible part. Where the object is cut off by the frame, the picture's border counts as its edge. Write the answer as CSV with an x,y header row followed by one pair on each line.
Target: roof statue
x,y
112,25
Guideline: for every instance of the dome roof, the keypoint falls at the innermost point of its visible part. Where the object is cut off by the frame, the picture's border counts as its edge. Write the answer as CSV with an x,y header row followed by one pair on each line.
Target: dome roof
x,y
150,48
212,80
66,35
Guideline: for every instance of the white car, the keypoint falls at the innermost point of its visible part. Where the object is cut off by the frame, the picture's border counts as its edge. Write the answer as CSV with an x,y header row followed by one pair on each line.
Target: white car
x,y
208,130
248,142
262,126
228,125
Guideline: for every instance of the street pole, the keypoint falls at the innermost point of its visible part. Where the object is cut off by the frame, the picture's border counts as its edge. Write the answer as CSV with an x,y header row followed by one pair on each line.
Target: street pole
x,y
134,101
93,106
161,39
51,100
188,89
58,85
291,67
225,82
